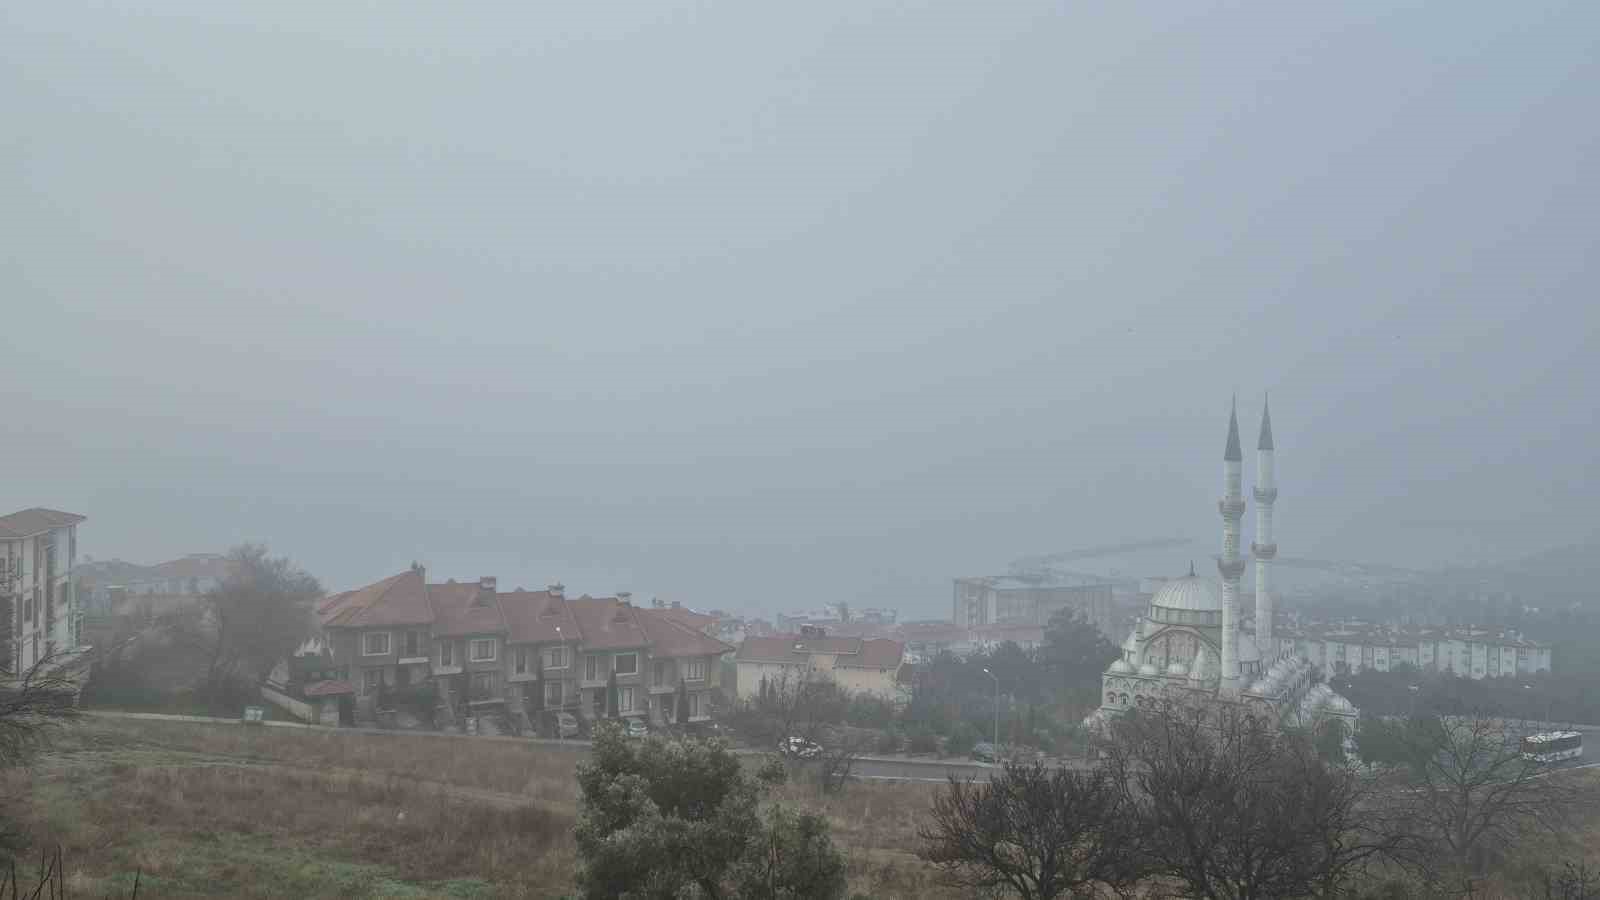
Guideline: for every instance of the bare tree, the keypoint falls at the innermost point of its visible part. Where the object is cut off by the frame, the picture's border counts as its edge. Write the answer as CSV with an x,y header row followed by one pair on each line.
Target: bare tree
x,y
1236,809
40,698
838,760
1470,794
1040,832
257,615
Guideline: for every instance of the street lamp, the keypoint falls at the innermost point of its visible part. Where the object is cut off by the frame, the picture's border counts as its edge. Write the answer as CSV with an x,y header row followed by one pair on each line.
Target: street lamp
x,y
996,710
561,737
1550,707
1413,688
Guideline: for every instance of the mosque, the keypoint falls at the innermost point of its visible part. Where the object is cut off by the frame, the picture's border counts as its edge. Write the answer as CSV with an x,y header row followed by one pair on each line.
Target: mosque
x,y
1190,643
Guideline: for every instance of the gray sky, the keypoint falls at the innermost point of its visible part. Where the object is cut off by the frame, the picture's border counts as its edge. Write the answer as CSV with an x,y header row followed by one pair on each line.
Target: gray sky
x,y
759,305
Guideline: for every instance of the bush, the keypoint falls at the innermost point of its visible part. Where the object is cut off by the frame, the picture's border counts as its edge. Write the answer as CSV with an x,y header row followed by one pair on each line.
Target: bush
x,y
923,742
888,742
961,740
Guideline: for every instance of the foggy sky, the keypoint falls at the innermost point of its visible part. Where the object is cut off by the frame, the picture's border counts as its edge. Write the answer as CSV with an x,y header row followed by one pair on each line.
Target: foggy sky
x,y
760,305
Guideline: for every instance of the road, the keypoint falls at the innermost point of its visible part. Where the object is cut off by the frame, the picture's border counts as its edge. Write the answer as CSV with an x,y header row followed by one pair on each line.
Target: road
x,y
872,768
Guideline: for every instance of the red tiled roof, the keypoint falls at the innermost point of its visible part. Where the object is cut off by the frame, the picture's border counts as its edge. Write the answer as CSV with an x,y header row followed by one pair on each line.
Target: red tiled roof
x,y
397,600
797,649
670,637
606,624
879,654
29,522
533,616
457,610
328,688
199,565
685,616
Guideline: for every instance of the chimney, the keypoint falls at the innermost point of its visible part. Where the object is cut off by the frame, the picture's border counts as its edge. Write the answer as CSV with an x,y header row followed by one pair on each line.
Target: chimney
x,y
486,586
625,597
557,590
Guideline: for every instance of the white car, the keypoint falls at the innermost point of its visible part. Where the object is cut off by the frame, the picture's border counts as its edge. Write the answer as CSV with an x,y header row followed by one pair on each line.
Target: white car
x,y
799,746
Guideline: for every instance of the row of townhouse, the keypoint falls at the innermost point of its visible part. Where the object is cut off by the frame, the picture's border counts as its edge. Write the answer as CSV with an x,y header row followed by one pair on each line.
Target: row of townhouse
x,y
1466,652
38,549
528,650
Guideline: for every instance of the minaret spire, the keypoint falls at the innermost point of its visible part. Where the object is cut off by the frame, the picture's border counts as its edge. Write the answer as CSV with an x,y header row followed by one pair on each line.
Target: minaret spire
x,y
1229,565
1264,549
1232,453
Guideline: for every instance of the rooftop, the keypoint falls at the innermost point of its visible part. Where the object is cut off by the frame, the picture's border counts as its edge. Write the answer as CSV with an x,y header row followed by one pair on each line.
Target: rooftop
x,y
29,522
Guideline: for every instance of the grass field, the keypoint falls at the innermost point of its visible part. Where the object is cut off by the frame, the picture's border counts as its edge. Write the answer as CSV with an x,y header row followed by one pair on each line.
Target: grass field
x,y
220,810
223,810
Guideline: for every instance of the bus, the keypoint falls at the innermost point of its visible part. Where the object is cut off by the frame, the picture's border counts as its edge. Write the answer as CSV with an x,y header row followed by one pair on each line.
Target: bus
x,y
1553,746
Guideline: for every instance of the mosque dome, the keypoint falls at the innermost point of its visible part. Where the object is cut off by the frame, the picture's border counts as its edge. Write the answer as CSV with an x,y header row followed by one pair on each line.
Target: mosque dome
x,y
1189,592
1120,667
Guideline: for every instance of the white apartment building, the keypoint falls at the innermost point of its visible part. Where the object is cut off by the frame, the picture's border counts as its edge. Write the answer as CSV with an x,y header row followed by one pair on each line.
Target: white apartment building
x,y
1467,652
38,548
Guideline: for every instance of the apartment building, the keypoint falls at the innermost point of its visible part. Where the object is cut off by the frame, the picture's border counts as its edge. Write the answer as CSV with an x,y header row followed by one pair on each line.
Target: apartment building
x,y
1467,652
525,652
38,549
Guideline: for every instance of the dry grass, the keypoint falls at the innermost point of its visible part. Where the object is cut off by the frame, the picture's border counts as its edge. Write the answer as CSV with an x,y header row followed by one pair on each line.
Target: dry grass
x,y
220,810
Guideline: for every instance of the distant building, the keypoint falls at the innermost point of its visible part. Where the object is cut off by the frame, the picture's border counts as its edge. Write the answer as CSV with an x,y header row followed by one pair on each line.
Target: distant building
x,y
1351,647
115,587
857,665
1029,600
38,549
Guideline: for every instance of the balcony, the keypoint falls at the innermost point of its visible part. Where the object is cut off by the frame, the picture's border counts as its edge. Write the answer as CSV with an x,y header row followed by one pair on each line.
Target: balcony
x,y
667,686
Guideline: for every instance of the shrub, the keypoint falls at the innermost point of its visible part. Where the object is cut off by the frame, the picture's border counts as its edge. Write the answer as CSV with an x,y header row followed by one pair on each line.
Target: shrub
x,y
923,742
961,741
888,742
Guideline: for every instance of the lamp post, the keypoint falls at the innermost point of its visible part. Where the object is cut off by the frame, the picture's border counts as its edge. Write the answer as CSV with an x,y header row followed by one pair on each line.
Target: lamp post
x,y
1413,688
561,737
1549,710
996,710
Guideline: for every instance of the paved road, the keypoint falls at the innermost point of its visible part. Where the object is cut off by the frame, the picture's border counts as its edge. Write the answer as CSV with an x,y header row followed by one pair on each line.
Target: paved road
x,y
867,768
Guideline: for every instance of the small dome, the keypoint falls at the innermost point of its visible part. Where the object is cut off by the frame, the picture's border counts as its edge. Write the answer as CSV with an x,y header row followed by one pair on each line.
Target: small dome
x,y
1147,669
1188,592
1177,669
1120,667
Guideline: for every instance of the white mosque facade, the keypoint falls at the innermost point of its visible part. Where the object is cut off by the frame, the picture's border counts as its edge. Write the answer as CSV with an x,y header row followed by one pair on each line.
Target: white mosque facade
x,y
1190,644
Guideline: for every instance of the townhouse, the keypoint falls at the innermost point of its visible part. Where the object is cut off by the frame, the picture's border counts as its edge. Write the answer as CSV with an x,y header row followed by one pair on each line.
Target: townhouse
x,y
478,650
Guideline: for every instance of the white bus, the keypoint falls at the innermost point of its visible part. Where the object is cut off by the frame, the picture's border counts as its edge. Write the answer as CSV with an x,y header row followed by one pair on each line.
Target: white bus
x,y
1553,746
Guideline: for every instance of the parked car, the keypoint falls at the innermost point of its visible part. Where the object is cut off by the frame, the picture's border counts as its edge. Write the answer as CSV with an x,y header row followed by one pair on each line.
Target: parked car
x,y
706,730
800,747
636,728
566,724
983,751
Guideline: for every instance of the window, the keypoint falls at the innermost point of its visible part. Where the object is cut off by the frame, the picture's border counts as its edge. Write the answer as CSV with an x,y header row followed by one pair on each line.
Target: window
x,y
695,671
552,693
598,702
555,658
591,668
482,650
375,643
482,685
447,653
413,642
627,664
371,678
697,705
625,699
522,660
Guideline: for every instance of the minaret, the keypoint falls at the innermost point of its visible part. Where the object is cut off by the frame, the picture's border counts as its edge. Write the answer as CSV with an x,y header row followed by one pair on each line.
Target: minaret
x,y
1264,549
1231,506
